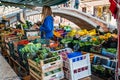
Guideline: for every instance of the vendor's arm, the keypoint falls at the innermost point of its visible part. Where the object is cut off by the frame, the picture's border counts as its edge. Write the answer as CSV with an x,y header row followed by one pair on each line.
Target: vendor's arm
x,y
41,28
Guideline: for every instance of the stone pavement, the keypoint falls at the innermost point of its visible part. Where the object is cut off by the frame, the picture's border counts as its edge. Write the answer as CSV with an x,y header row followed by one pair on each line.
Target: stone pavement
x,y
6,72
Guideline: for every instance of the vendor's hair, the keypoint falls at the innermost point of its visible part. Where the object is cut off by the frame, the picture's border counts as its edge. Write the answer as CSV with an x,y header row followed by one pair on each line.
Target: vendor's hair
x,y
46,11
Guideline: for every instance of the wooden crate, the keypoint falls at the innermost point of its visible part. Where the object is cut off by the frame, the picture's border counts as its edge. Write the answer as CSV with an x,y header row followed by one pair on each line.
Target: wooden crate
x,y
35,75
27,77
41,76
33,37
38,71
96,49
87,78
48,66
91,57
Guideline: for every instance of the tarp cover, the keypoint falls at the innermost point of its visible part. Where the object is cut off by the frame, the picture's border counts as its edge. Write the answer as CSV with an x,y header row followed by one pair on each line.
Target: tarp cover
x,y
32,3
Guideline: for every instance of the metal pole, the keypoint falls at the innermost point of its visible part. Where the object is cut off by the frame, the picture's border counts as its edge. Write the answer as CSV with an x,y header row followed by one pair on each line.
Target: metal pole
x,y
24,13
118,48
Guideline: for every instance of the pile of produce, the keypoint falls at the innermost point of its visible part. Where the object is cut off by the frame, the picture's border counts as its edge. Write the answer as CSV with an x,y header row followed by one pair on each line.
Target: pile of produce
x,y
46,55
66,40
27,25
12,32
72,33
100,71
98,68
23,42
30,48
111,50
37,53
85,39
67,28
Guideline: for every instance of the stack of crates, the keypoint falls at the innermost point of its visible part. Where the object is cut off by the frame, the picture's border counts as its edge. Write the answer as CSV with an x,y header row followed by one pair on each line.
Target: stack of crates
x,y
47,70
76,67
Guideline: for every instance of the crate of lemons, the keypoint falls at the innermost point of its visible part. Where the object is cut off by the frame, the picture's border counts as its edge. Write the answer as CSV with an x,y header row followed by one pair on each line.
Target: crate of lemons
x,y
86,38
83,32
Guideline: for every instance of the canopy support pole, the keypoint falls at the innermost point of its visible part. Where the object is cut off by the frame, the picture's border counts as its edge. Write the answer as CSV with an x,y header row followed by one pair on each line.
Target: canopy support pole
x,y
118,48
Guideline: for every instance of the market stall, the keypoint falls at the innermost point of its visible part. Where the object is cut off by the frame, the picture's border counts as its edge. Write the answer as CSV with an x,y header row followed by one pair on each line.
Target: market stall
x,y
71,54
58,58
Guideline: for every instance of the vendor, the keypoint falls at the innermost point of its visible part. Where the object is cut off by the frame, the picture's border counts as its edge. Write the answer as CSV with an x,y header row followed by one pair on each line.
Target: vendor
x,y
47,23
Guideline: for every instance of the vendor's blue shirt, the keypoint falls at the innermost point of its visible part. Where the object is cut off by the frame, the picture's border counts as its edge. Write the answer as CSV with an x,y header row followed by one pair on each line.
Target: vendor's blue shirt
x,y
47,28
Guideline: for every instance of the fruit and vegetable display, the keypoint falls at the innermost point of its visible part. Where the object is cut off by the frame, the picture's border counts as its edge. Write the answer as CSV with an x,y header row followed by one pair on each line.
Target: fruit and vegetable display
x,y
12,32
72,33
42,41
66,40
37,52
57,34
23,42
54,44
31,48
67,28
86,39
27,25
111,50
44,51
103,71
99,68
46,55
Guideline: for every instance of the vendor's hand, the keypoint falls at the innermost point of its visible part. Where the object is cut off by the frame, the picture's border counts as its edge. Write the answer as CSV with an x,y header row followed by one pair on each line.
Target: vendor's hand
x,y
35,26
38,23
